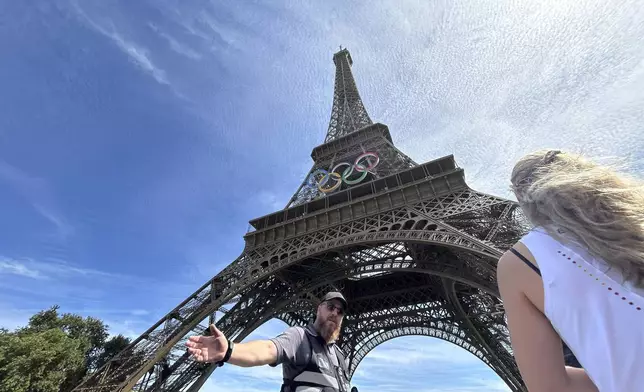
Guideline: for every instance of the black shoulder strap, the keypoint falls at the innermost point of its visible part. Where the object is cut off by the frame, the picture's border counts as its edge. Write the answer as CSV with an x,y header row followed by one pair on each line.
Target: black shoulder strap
x,y
309,353
528,262
341,358
304,364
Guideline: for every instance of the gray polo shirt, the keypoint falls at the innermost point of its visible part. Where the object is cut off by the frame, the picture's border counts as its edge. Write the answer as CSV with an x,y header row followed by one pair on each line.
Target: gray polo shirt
x,y
294,351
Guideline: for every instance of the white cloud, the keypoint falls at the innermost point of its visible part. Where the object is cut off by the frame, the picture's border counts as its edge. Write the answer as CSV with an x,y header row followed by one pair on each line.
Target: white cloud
x,y
52,270
17,268
138,54
39,194
139,312
425,352
230,36
52,214
178,47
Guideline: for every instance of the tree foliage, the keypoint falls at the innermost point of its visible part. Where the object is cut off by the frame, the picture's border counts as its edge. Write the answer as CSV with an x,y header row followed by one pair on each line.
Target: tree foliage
x,y
54,352
39,361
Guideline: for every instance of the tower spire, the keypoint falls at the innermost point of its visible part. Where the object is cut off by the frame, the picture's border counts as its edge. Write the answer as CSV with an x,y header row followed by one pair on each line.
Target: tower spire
x,y
348,113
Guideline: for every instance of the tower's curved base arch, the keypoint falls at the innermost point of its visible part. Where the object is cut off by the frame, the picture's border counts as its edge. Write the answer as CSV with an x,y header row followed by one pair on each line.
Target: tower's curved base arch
x,y
394,288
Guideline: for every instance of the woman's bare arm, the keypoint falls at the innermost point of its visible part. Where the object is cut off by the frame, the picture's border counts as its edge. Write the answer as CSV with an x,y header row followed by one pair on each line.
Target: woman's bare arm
x,y
537,346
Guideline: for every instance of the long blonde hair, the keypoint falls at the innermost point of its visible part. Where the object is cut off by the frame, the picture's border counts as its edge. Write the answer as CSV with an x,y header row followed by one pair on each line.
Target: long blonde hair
x,y
593,206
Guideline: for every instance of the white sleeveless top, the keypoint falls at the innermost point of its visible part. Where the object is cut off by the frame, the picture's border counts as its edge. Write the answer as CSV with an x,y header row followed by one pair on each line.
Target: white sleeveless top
x,y
600,318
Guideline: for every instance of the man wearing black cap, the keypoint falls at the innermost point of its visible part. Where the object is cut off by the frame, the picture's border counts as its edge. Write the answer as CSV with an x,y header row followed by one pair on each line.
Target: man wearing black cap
x,y
311,361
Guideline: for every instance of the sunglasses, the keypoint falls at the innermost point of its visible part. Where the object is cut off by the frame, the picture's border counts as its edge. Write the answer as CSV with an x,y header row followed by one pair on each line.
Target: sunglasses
x,y
331,307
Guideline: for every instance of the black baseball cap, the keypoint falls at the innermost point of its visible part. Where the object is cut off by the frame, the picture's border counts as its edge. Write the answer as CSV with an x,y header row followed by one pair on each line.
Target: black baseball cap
x,y
335,295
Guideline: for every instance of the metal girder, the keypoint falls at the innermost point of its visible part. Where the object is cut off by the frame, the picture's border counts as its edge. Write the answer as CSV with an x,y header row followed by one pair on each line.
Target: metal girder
x,y
501,360
384,241
412,248
458,339
254,313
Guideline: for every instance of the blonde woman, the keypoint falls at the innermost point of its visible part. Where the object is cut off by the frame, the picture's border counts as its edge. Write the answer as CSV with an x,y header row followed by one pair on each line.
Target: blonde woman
x,y
578,276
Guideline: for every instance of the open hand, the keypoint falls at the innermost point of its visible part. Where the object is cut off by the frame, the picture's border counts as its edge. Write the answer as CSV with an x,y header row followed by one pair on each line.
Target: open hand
x,y
208,348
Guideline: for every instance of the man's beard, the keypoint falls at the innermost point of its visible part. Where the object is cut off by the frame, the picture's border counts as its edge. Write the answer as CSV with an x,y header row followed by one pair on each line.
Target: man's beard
x,y
330,331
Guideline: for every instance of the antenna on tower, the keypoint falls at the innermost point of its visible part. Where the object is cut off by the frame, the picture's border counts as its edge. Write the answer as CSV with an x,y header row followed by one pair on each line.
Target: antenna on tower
x,y
348,113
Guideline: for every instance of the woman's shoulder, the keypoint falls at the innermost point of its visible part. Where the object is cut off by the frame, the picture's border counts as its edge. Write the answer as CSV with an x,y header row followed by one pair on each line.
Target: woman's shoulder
x,y
538,237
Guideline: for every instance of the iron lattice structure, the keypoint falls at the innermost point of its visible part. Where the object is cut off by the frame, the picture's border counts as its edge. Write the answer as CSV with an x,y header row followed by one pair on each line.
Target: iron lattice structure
x,y
411,246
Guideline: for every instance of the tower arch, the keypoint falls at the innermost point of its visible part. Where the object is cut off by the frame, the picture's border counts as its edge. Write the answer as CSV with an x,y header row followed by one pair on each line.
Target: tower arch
x,y
410,246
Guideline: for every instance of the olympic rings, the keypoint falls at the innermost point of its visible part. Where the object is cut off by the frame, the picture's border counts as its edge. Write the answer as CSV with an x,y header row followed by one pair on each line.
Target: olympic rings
x,y
321,177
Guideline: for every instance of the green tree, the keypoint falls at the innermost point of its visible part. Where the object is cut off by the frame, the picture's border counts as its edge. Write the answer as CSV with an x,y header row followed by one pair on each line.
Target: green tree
x,y
112,347
39,361
92,331
54,352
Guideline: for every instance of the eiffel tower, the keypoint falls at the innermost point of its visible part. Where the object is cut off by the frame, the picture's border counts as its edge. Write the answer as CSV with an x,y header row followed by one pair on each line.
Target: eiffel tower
x,y
411,246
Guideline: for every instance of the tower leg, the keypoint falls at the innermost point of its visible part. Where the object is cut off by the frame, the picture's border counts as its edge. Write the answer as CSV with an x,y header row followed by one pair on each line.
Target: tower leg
x,y
198,384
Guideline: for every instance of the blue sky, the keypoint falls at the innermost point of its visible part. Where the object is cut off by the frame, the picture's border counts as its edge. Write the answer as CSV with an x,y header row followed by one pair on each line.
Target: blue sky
x,y
138,138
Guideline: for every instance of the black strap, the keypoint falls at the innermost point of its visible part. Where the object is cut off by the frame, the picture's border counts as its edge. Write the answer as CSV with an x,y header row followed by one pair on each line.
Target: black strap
x,y
528,262
341,358
301,367
229,352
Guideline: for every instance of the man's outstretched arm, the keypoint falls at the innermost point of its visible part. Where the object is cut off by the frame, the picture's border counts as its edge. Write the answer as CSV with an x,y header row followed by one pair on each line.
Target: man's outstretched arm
x,y
254,353
213,349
